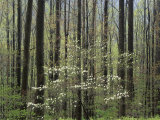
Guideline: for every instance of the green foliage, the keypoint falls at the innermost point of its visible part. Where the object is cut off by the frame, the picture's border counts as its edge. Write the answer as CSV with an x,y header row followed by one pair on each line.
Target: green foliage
x,y
48,117
125,118
109,113
66,119
10,101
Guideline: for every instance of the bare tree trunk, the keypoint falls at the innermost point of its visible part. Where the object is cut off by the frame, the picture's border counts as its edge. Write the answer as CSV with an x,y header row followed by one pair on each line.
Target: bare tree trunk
x,y
8,42
157,56
85,61
57,43
85,55
153,58
105,40
121,70
39,98
51,41
79,101
13,61
26,57
92,65
66,33
130,84
19,21
111,63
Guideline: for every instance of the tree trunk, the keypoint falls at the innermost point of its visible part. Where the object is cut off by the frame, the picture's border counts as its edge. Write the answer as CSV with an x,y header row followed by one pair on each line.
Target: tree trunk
x,y
51,41
8,42
66,33
130,84
105,40
39,98
85,61
57,43
157,57
121,70
153,59
79,101
26,57
19,21
13,61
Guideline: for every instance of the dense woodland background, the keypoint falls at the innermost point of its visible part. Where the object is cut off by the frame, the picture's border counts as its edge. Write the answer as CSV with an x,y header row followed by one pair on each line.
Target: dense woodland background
x,y
79,59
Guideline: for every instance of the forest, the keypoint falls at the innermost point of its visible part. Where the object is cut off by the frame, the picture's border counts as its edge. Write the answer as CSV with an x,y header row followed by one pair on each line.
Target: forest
x,y
79,59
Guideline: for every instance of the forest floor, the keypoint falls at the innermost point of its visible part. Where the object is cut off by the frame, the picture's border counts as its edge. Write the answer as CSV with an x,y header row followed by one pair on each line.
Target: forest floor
x,y
126,118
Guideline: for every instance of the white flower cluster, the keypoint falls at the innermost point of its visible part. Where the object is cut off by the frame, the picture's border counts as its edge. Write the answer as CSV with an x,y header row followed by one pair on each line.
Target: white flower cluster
x,y
32,105
39,88
76,86
62,94
85,85
56,81
116,97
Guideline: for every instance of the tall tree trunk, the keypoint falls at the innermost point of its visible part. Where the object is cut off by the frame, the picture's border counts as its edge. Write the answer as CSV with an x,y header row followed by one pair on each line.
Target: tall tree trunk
x,y
19,21
51,41
79,101
92,59
110,60
85,60
144,58
153,58
130,84
13,61
105,40
26,57
105,47
39,98
148,103
75,57
92,39
157,57
121,70
66,33
85,56
57,43
149,60
8,42
52,31
125,25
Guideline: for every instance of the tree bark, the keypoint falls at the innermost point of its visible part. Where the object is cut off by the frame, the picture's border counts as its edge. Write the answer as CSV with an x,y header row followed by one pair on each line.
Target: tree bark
x,y
58,39
39,98
13,46
130,84
26,57
79,101
157,56
121,70
19,21
153,58
8,42
105,40
51,41
66,33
